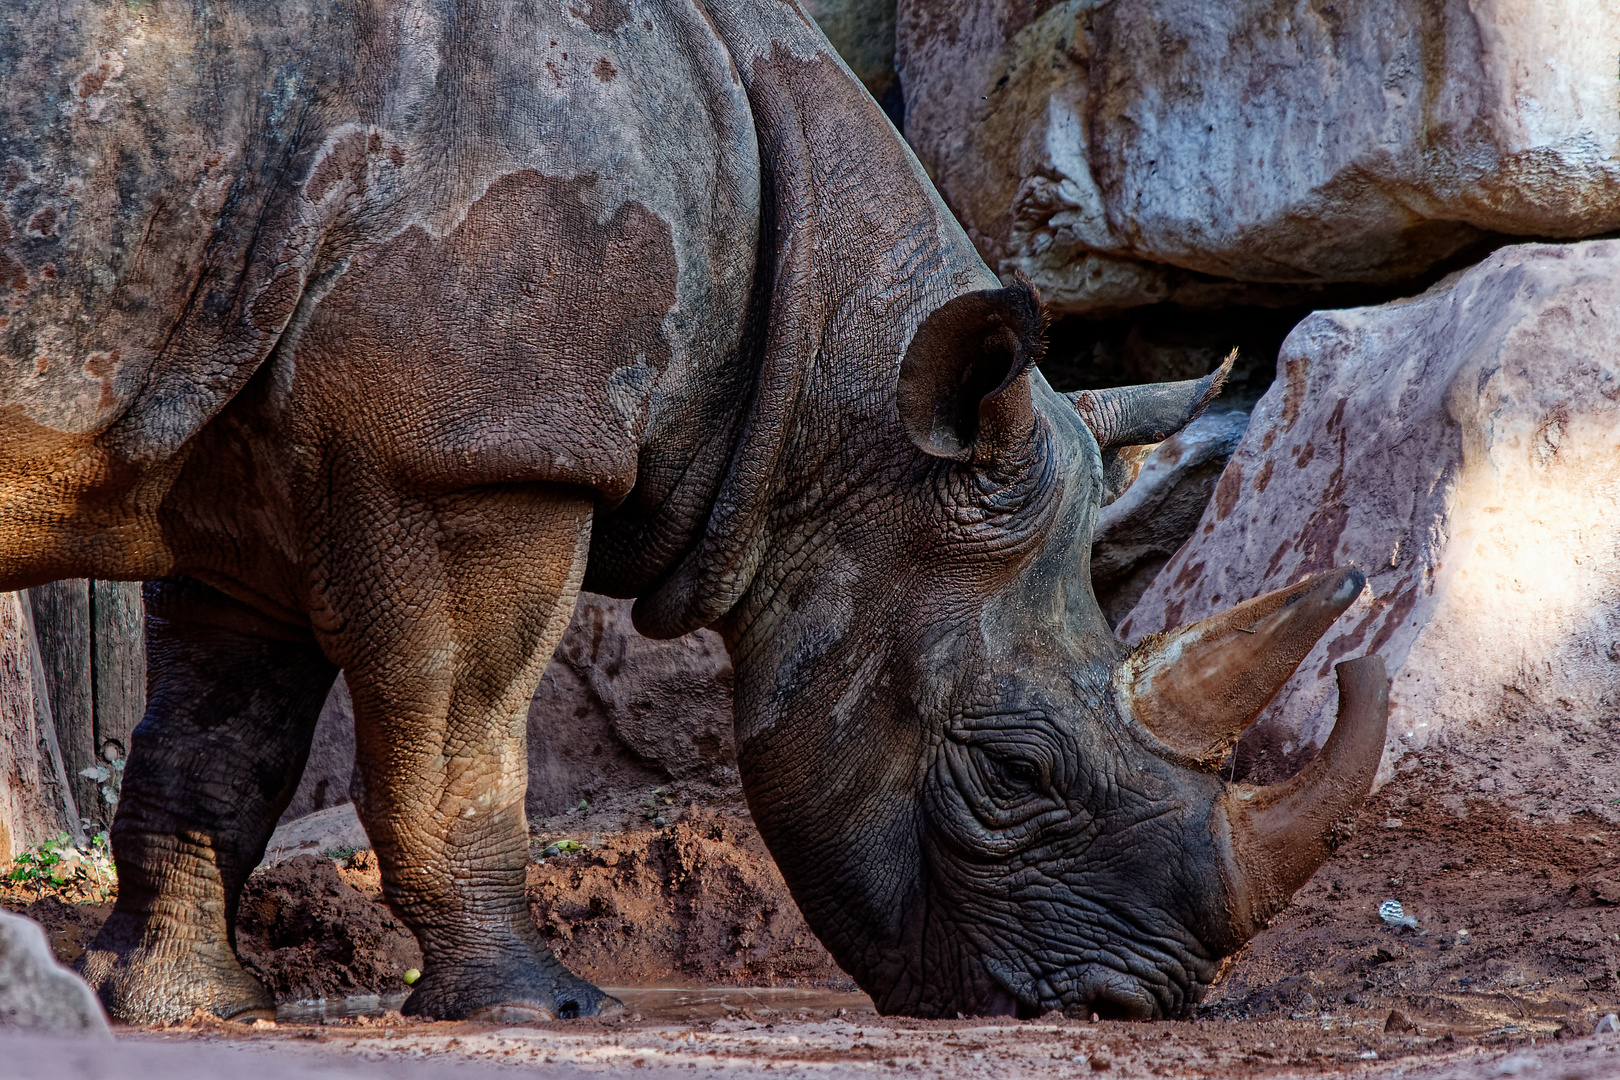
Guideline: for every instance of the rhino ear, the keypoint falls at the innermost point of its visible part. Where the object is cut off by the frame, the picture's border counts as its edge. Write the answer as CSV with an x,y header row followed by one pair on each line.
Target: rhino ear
x,y
964,383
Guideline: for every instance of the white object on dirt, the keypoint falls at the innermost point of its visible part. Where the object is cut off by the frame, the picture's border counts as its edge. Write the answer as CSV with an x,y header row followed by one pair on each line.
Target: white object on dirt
x,y
37,993
1609,1025
1394,914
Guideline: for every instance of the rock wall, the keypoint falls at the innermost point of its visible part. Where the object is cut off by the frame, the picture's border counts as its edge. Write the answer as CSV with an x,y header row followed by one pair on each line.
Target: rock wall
x,y
1462,448
1254,150
1138,532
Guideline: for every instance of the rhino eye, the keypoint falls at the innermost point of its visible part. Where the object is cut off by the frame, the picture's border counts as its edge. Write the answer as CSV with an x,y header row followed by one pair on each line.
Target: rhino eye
x,y
1015,773
996,786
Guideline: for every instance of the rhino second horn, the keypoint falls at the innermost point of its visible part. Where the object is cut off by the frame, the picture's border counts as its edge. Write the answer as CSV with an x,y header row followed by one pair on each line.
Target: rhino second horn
x,y
1197,689
1278,835
1149,413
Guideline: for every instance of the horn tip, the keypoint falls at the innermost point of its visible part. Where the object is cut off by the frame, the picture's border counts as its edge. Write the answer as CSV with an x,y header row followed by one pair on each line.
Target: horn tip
x,y
1354,582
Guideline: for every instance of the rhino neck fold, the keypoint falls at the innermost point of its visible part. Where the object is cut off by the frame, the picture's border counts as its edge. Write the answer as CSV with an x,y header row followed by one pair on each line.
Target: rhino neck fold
x,y
856,249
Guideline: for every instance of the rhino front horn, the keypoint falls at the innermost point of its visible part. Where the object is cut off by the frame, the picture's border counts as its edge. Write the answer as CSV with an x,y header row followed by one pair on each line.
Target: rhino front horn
x,y
1197,689
1278,835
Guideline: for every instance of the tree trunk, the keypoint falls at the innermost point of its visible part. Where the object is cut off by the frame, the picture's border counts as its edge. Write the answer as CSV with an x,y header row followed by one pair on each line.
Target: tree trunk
x,y
32,808
62,635
53,805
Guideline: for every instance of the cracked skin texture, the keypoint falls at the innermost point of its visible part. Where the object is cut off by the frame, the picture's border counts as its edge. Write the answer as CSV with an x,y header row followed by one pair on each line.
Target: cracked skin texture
x,y
385,330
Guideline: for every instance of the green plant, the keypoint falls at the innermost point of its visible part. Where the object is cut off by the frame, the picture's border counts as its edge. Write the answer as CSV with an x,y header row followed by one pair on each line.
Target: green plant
x,y
61,866
563,847
109,777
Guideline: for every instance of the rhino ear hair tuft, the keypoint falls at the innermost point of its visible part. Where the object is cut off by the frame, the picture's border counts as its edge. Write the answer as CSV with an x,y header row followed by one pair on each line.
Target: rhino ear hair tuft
x,y
964,389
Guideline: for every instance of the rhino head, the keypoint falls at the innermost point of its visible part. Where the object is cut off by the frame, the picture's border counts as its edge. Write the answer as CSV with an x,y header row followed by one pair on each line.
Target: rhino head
x,y
982,800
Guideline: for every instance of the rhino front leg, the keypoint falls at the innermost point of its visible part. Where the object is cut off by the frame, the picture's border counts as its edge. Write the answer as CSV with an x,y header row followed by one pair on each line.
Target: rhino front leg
x,y
442,662
234,697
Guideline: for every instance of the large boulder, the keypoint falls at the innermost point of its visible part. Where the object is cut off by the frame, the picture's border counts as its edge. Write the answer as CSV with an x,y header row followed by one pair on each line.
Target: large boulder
x,y
617,713
1126,154
1463,449
37,993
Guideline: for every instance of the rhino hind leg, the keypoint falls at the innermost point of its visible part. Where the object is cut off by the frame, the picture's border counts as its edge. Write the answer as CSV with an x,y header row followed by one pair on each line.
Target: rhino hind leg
x,y
441,670
233,701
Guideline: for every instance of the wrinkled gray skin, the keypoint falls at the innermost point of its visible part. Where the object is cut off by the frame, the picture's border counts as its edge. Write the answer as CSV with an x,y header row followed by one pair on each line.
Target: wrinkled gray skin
x,y
375,331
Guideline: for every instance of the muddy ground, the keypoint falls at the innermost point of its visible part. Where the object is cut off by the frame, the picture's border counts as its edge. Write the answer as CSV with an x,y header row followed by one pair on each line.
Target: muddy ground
x,y
1514,958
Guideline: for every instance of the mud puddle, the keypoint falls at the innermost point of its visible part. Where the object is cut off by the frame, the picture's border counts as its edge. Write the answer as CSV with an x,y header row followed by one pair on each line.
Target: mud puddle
x,y
324,1011
686,1004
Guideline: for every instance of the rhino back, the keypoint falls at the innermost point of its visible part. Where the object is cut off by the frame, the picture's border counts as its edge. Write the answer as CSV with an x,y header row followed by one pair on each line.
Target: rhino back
x,y
504,235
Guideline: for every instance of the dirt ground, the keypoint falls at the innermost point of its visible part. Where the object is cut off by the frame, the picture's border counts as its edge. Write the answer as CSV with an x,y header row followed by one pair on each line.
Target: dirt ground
x,y
1512,964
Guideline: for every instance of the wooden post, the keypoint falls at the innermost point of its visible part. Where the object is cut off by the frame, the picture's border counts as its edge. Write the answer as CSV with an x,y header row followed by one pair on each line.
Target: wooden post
x,y
118,670
61,612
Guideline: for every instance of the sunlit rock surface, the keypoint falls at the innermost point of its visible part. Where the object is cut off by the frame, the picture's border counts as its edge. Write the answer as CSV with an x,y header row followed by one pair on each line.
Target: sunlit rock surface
x,y
1126,154
1463,449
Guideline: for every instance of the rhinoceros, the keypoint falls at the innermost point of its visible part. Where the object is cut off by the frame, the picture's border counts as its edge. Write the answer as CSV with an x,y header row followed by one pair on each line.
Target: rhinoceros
x,y
368,333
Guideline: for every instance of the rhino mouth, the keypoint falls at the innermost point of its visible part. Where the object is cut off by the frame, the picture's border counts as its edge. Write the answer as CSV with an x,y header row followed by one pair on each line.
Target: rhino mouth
x,y
1088,989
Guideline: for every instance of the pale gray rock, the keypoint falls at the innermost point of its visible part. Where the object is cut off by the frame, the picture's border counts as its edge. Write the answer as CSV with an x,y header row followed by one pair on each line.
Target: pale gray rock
x,y
1138,532
617,714
37,993
1463,449
1254,150
330,768
333,830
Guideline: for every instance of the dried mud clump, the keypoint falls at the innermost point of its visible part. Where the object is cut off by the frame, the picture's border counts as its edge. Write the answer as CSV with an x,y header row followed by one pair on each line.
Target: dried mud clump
x,y
307,934
699,901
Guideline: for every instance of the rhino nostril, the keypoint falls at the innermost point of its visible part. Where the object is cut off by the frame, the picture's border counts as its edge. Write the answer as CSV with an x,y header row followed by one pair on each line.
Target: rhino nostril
x,y
1110,995
1108,1007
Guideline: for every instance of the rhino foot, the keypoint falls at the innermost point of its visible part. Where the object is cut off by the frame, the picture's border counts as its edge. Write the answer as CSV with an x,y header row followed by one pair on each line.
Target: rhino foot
x,y
533,990
159,978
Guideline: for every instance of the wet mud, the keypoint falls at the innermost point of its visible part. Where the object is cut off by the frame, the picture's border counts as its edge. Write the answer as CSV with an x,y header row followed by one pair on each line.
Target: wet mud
x,y
309,934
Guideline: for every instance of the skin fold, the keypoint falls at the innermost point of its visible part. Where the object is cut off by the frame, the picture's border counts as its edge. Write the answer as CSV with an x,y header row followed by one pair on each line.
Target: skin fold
x,y
367,335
